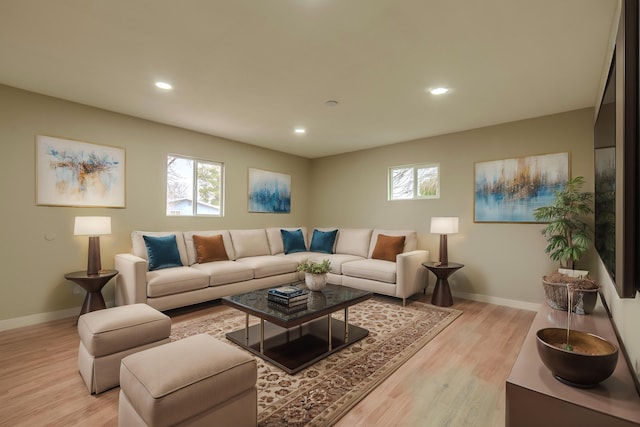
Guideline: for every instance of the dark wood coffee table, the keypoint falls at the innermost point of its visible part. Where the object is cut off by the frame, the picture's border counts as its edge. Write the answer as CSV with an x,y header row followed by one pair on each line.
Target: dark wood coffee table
x,y
294,340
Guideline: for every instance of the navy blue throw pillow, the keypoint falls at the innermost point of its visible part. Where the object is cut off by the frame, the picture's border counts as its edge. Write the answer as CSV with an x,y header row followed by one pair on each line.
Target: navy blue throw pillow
x,y
293,241
322,241
162,252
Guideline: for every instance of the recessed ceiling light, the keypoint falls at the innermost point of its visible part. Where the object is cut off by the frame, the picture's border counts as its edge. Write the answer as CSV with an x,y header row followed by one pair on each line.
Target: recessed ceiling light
x,y
438,90
300,130
164,85
331,103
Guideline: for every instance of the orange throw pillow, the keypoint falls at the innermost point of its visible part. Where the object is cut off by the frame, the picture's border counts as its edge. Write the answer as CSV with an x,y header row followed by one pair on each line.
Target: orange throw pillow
x,y
387,247
210,248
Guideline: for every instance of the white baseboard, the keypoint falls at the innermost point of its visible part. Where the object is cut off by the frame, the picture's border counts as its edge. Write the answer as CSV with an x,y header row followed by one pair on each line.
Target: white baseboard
x,y
523,305
34,319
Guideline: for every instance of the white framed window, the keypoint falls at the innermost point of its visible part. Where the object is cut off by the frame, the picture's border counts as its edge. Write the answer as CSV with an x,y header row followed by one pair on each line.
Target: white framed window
x,y
414,182
190,180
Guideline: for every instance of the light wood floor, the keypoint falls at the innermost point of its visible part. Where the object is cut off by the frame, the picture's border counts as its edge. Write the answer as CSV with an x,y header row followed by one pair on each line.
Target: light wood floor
x,y
458,379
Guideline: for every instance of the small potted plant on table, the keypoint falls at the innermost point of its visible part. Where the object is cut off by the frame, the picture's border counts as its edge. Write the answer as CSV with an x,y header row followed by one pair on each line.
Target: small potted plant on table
x,y
315,273
568,236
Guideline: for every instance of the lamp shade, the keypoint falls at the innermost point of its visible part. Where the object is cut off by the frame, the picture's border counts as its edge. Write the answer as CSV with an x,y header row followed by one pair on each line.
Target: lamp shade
x,y
444,224
92,225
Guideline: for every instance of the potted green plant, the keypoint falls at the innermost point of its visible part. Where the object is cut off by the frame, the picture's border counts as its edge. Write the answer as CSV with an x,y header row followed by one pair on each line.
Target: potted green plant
x,y
569,237
315,273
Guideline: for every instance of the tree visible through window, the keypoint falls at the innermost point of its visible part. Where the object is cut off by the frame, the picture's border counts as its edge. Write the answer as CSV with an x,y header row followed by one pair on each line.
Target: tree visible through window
x,y
414,182
193,179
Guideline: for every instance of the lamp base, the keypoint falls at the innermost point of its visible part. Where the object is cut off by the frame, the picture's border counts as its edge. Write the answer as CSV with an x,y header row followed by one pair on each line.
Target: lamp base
x,y
93,263
444,256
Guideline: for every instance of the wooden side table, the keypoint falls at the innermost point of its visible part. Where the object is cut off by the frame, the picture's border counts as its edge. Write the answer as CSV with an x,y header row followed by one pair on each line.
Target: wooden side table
x,y
93,284
442,292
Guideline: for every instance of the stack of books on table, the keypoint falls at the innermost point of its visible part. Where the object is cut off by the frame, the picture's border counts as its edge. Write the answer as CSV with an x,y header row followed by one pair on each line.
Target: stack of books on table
x,y
285,308
288,297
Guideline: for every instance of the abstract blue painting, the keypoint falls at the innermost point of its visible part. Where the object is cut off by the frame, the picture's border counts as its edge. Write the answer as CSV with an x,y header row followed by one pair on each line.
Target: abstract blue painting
x,y
74,173
510,190
269,191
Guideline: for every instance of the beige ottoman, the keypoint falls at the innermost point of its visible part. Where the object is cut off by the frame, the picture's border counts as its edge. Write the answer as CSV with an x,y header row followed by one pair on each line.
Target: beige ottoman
x,y
197,381
106,336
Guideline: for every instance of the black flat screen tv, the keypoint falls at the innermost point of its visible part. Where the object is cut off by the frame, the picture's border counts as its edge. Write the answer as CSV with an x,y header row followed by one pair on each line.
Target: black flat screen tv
x,y
604,142
616,161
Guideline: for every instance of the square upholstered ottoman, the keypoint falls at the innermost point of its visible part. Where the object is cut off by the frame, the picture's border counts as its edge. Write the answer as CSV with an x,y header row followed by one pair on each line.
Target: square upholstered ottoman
x,y
197,381
106,336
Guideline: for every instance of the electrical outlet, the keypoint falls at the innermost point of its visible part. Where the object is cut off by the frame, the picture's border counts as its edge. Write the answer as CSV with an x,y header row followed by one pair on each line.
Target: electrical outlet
x,y
76,289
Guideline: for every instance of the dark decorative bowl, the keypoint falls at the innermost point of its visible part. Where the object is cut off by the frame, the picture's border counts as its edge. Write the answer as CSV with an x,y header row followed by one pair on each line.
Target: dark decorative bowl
x,y
592,360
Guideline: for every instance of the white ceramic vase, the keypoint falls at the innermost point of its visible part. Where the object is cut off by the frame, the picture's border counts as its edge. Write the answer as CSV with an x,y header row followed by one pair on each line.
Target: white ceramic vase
x,y
315,282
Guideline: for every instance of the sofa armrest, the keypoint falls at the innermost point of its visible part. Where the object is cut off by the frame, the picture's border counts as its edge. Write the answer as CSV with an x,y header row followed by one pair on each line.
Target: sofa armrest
x,y
411,276
131,282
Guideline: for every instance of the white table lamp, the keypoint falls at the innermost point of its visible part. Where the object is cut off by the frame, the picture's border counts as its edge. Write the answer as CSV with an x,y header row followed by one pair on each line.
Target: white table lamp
x,y
94,227
444,225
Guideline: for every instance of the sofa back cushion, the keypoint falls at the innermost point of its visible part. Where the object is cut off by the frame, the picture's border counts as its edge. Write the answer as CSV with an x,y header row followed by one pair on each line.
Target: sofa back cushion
x,y
140,248
353,241
274,236
410,239
192,256
248,243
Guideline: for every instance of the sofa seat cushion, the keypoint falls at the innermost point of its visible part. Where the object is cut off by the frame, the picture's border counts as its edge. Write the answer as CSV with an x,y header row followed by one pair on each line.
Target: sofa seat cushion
x,y
266,266
175,280
337,260
373,269
224,272
296,256
299,256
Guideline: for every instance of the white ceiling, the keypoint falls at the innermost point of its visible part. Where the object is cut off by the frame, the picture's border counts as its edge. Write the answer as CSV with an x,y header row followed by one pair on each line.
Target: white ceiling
x,y
252,70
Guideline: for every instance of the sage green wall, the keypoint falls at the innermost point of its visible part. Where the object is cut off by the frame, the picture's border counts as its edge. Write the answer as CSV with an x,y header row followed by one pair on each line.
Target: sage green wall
x,y
502,261
38,245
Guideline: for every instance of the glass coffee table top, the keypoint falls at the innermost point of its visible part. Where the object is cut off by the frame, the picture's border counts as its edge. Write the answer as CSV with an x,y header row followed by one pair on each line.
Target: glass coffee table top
x,y
332,298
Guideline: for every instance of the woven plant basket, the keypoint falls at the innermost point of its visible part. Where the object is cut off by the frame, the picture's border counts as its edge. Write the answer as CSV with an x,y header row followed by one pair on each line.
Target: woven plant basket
x,y
557,296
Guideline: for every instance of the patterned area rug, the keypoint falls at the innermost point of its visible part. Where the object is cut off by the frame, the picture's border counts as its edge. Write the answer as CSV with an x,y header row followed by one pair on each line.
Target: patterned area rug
x,y
322,393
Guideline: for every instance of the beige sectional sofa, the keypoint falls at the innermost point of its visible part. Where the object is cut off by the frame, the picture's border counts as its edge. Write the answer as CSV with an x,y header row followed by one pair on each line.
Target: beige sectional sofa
x,y
257,259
